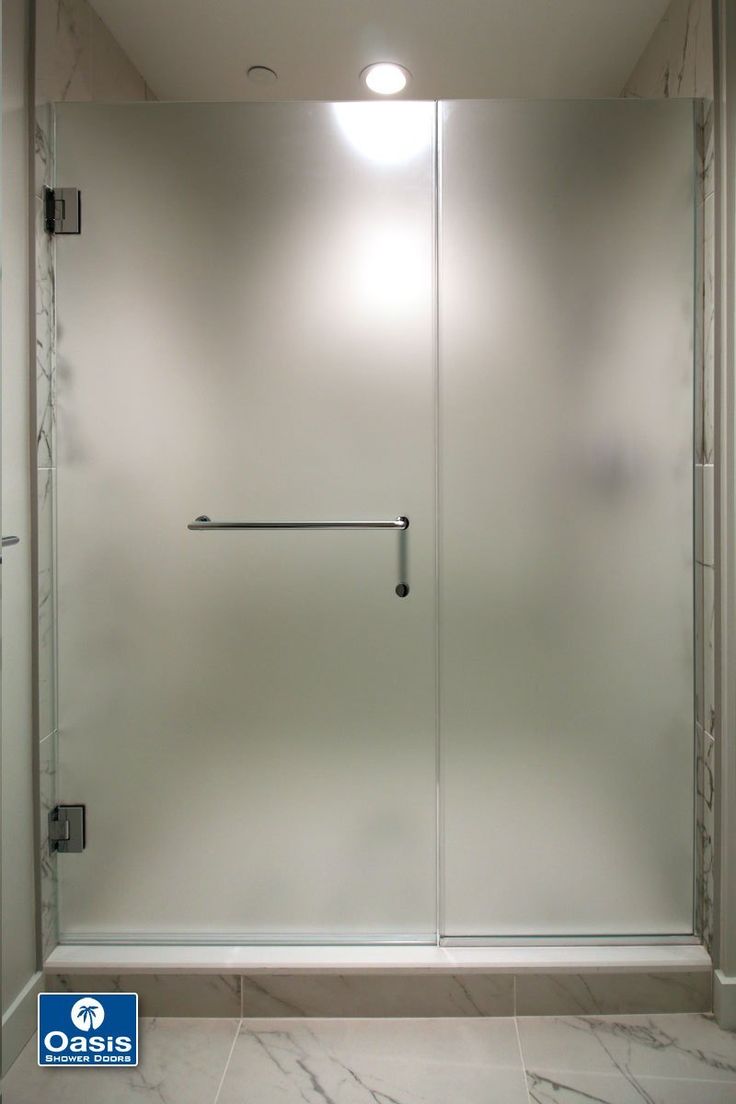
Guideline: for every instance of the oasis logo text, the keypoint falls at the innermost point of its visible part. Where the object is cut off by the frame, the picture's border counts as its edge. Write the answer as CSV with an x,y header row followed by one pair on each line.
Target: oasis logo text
x,y
88,1029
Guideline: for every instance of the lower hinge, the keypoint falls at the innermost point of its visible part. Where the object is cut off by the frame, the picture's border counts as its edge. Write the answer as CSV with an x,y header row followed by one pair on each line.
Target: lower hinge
x,y
62,210
66,828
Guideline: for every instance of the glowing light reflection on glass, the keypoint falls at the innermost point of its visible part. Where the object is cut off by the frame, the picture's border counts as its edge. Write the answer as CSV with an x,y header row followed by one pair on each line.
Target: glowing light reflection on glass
x,y
389,133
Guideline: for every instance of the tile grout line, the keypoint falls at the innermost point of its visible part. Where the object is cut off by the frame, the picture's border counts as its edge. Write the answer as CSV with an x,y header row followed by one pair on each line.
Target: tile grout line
x,y
232,1048
668,1077
228,1059
521,1051
616,1075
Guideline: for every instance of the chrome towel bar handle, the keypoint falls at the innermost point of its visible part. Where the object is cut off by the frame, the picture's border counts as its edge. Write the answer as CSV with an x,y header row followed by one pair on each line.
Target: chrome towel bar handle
x,y
401,523
205,523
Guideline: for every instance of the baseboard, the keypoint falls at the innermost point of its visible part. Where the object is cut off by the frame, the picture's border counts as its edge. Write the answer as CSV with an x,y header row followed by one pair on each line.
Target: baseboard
x,y
19,1022
724,999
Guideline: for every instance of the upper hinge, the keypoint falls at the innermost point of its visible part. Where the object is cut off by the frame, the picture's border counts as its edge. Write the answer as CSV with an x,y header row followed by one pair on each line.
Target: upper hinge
x,y
62,210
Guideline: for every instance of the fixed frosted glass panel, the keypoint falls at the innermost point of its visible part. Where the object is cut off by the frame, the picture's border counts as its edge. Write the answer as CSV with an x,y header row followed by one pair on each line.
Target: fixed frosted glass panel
x,y
566,365
245,330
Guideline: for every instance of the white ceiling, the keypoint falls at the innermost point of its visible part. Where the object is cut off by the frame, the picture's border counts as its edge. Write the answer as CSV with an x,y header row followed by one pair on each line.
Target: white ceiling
x,y
201,49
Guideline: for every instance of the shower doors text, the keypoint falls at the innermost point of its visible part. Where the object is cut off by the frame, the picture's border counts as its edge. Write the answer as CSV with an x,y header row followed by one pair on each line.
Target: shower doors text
x,y
476,315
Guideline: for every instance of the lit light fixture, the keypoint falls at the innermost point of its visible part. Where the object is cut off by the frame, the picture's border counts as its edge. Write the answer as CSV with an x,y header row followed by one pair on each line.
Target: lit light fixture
x,y
261,74
386,78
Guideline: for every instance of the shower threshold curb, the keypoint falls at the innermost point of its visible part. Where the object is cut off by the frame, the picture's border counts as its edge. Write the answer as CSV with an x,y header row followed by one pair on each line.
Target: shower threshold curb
x,y
390,981
273,959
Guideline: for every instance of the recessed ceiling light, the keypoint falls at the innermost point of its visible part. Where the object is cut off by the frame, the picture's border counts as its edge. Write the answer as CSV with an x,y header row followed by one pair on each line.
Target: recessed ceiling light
x,y
386,78
261,74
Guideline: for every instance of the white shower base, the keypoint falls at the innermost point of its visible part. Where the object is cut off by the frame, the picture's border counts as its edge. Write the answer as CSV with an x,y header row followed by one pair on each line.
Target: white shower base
x,y
191,959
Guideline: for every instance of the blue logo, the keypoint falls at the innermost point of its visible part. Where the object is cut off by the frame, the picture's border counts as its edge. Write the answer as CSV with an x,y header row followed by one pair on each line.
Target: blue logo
x,y
88,1029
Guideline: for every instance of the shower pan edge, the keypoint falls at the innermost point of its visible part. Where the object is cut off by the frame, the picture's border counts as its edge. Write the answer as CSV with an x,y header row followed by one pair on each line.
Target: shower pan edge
x,y
192,958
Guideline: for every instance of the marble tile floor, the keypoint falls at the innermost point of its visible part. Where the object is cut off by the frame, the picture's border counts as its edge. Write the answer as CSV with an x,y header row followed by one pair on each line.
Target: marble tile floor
x,y
661,1059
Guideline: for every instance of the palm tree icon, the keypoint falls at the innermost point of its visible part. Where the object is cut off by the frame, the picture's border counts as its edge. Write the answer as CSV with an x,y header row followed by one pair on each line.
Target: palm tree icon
x,y
88,1012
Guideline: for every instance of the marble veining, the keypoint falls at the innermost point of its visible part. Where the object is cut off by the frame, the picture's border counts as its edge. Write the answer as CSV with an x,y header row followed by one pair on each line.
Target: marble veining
x,y
44,164
378,995
678,1047
45,325
708,149
70,47
169,995
706,835
46,604
597,1088
705,435
590,994
709,616
181,1062
678,58
558,1088
47,860
625,1060
45,446
77,58
678,62
705,547
386,1062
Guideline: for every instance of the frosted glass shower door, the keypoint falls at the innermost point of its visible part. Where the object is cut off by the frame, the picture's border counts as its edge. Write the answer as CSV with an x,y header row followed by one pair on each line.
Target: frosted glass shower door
x,y
566,563
245,330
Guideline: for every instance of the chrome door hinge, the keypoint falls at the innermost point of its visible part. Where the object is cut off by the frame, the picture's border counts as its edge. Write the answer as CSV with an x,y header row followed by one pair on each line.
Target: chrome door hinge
x,y
67,828
62,210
